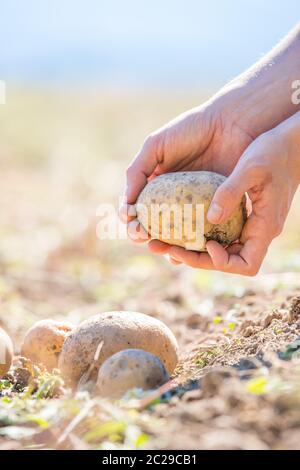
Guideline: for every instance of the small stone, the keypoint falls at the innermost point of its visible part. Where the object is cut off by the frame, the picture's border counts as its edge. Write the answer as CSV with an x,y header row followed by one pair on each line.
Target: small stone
x,y
194,320
248,331
268,320
275,315
294,312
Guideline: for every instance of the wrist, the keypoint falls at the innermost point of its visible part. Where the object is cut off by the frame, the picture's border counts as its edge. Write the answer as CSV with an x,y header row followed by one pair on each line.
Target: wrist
x,y
289,131
248,105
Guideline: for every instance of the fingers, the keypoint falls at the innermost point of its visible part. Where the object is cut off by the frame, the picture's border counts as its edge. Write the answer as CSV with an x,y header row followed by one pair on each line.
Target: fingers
x,y
229,195
191,258
227,198
136,232
238,259
141,169
174,261
127,212
246,262
158,247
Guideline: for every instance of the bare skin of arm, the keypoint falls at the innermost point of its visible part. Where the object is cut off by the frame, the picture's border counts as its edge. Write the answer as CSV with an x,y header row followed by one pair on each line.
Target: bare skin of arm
x,y
235,129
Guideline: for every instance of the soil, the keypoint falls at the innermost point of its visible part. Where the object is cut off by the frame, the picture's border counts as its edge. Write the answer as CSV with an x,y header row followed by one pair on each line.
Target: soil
x,y
237,383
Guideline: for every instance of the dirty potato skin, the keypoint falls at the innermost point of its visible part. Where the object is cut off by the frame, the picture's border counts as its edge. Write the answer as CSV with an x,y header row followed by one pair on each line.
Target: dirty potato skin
x,y
118,330
6,352
43,342
128,369
177,189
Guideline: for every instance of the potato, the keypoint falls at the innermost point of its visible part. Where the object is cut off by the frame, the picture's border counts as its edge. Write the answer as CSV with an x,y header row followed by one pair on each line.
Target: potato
x,y
117,331
6,352
44,340
128,369
166,208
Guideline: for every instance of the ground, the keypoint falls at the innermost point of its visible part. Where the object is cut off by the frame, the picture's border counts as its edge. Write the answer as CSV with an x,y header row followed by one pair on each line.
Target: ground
x,y
237,383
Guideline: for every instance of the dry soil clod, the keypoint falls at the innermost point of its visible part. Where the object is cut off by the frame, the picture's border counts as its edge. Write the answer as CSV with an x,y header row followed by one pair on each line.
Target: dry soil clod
x,y
294,312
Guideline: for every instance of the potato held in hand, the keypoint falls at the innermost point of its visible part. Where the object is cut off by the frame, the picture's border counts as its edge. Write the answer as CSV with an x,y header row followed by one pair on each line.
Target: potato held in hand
x,y
43,342
115,331
128,369
168,208
6,352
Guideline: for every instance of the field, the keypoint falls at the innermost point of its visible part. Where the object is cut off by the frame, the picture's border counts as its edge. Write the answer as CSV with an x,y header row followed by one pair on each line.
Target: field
x,y
237,386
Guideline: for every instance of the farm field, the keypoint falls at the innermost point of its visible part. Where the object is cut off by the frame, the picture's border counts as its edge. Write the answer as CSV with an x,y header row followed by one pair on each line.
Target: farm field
x,y
237,384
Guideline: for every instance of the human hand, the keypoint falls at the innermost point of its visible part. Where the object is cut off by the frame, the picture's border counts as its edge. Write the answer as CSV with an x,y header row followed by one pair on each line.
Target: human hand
x,y
206,137
269,171
213,137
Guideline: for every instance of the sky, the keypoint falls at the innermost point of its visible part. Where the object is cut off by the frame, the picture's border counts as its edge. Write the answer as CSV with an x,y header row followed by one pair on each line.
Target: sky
x,y
138,42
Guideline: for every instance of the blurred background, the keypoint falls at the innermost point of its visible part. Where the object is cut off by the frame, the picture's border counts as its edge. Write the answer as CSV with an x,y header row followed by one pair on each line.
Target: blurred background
x,y
86,81
138,44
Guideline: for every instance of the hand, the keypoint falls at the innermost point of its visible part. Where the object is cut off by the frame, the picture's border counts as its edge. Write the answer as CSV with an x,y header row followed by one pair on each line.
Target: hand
x,y
203,138
213,137
269,171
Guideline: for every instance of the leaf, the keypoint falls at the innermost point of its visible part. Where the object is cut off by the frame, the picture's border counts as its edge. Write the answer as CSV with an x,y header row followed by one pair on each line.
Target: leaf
x,y
41,422
105,430
6,400
141,440
257,386
132,436
5,384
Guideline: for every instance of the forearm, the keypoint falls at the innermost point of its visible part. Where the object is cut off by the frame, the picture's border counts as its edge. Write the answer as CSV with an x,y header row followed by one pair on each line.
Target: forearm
x,y
261,98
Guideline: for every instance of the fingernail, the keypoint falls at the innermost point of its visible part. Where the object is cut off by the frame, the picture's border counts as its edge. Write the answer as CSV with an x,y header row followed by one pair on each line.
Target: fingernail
x,y
127,212
215,213
174,255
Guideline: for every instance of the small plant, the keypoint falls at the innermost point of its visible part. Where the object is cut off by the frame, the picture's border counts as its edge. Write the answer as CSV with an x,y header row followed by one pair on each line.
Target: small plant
x,y
257,386
204,358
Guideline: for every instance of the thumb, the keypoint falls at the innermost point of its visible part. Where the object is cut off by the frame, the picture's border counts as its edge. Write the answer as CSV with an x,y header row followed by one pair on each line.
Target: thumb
x,y
229,195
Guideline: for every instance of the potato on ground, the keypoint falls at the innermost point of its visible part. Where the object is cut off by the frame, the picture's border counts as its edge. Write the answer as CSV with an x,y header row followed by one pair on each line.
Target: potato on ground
x,y
115,331
168,209
128,369
44,340
6,352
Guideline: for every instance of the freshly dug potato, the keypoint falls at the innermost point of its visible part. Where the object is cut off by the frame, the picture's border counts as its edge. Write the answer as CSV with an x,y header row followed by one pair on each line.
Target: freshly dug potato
x,y
44,340
128,369
166,208
6,352
116,331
